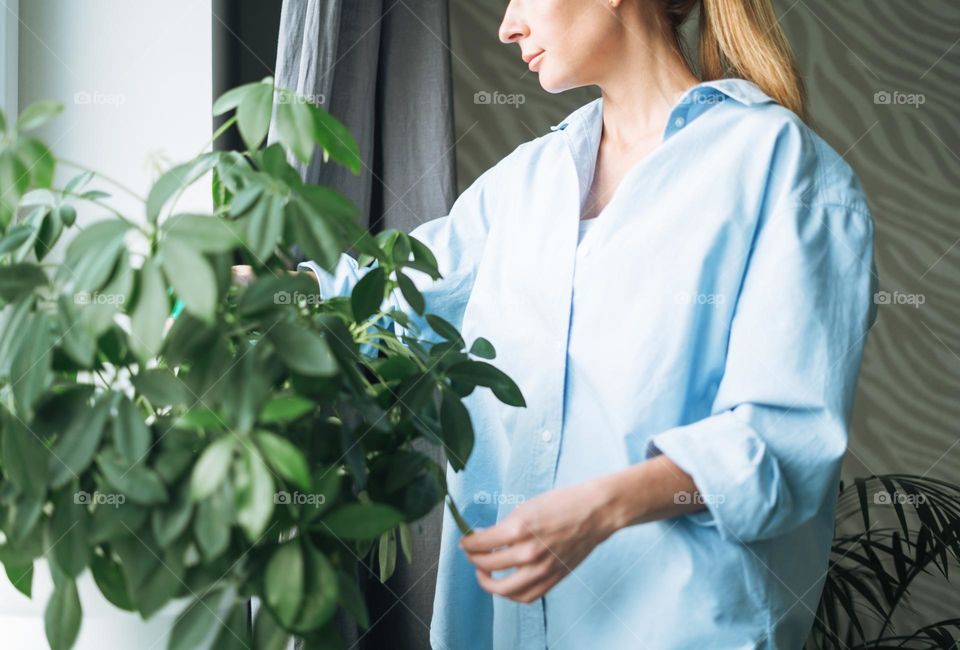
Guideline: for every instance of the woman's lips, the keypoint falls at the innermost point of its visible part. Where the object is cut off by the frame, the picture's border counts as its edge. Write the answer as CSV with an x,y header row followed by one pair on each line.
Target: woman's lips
x,y
535,62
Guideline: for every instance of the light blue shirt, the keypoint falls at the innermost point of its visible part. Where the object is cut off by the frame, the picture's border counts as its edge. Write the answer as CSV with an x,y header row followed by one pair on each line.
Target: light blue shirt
x,y
716,312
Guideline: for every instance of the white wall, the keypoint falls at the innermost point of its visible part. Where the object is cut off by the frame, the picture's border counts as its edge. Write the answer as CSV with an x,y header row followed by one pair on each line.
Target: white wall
x,y
135,78
9,32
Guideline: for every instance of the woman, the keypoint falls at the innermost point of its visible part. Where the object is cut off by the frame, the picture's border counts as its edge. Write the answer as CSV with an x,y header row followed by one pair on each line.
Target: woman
x,y
688,366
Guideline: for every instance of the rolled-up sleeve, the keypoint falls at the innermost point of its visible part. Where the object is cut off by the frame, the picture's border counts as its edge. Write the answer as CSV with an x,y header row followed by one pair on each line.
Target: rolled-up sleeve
x,y
768,457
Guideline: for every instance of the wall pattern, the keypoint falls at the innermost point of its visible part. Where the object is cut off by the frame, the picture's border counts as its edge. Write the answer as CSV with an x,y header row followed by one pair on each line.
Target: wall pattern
x,y
883,82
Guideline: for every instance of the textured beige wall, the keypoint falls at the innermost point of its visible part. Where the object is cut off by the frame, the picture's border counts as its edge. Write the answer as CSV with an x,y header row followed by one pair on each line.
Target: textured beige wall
x,y
907,155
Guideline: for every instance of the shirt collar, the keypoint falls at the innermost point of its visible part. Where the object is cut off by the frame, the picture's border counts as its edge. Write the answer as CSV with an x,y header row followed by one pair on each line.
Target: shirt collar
x,y
693,103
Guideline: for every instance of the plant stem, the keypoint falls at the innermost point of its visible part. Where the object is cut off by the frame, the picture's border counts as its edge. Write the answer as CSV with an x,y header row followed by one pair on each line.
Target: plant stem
x,y
110,180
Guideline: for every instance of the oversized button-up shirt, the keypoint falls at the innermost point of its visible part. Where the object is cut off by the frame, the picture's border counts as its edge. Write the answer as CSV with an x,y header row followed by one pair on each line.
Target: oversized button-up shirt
x,y
715,312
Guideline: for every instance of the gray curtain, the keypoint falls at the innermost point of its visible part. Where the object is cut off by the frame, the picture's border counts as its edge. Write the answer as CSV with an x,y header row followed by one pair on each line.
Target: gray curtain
x,y
382,67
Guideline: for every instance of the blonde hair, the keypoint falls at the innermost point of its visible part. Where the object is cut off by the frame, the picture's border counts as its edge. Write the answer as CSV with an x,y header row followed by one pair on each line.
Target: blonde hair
x,y
743,38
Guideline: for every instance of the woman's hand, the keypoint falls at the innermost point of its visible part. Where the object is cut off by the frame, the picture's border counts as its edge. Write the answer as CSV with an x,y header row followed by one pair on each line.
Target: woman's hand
x,y
544,539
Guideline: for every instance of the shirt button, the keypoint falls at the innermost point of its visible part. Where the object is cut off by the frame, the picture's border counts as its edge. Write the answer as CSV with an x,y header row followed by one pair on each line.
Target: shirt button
x,y
679,122
546,435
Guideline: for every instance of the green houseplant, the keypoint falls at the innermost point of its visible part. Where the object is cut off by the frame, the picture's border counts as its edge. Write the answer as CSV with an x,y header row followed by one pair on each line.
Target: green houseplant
x,y
258,446
909,529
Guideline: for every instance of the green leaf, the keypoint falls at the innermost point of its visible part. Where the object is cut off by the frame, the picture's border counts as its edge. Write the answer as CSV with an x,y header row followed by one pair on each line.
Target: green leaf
x,y
203,233
285,408
445,329
302,350
109,578
283,582
176,178
367,295
93,254
312,232
192,278
284,457
211,470
20,575
267,633
483,348
254,112
171,519
255,494
336,139
387,555
77,446
39,161
232,98
458,435
211,526
481,373
410,292
150,312
76,338
69,527
295,123
131,435
25,457
359,521
320,591
38,114
198,625
135,481
62,616
162,388
264,227
16,236
30,368
352,599
245,199
18,280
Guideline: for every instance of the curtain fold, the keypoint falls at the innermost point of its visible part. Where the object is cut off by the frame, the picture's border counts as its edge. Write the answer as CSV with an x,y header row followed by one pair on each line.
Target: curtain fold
x,y
383,68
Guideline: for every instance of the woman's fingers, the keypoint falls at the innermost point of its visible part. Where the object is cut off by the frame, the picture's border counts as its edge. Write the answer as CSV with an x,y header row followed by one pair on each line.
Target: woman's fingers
x,y
511,556
523,581
509,531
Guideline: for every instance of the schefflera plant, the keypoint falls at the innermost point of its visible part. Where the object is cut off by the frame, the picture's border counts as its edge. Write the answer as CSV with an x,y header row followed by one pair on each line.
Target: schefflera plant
x,y
259,443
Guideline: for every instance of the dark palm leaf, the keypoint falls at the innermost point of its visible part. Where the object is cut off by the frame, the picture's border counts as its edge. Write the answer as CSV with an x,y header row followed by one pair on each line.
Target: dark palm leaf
x,y
871,570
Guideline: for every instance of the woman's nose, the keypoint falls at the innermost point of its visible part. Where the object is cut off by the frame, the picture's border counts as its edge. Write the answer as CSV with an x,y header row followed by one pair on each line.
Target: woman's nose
x,y
513,27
